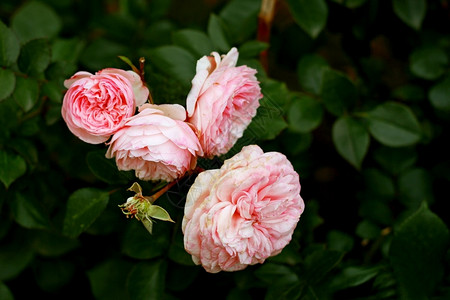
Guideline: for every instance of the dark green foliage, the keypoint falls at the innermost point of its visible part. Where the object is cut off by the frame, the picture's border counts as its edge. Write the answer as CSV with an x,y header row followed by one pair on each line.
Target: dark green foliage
x,y
356,95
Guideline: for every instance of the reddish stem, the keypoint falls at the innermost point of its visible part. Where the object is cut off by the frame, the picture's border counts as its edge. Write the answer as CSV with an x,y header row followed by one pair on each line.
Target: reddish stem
x,y
265,18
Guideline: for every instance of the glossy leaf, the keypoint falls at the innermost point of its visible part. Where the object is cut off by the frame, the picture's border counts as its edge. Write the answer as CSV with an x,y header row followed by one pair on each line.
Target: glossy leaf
x,y
417,253
241,19
351,140
9,46
175,61
428,63
319,263
353,276
197,42
26,93
35,57
310,71
217,34
305,114
310,15
106,169
415,186
11,167
108,279
338,92
395,160
15,256
146,280
35,20
439,96
138,243
83,207
394,124
7,83
252,48
29,213
5,293
412,12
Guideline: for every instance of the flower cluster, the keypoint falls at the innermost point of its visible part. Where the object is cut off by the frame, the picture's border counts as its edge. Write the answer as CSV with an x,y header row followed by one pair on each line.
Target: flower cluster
x,y
235,216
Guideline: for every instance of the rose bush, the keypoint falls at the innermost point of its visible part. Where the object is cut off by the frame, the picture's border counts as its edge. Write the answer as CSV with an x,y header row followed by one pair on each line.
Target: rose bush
x,y
156,143
96,106
222,101
242,213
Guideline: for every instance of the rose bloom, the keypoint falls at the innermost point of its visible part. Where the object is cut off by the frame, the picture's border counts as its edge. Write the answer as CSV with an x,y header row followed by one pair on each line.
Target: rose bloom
x,y
222,101
156,143
242,213
96,106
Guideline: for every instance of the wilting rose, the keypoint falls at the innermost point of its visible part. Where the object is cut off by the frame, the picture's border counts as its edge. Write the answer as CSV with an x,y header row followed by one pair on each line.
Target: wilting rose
x,y
242,213
222,101
156,143
96,106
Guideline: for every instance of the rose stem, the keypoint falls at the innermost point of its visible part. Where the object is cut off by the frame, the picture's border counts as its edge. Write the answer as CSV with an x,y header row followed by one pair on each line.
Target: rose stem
x,y
265,18
141,73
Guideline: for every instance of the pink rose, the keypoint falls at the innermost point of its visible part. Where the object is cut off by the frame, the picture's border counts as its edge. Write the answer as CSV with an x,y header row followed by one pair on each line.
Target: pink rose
x,y
156,143
242,213
222,101
96,106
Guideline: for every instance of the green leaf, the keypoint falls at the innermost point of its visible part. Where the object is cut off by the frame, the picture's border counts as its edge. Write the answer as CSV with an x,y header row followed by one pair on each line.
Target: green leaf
x,y
146,280
415,186
102,53
177,253
157,212
439,96
394,124
7,83
417,253
428,63
83,207
379,183
35,20
339,241
15,255
338,92
368,230
353,276
412,12
26,93
310,71
52,244
395,160
5,293
53,91
67,50
351,140
52,275
217,33
197,42
241,19
9,46
269,273
175,61
311,15
35,57
29,213
138,243
252,49
305,114
106,169
11,167
108,279
409,92
319,263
